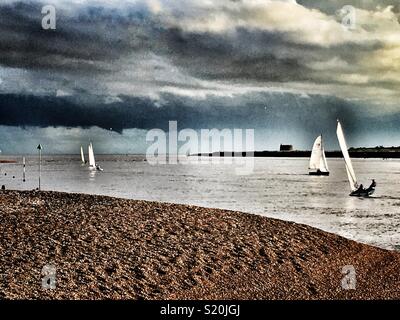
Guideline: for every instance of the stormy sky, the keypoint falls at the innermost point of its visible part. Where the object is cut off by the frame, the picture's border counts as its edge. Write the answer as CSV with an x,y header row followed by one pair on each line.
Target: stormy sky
x,y
114,69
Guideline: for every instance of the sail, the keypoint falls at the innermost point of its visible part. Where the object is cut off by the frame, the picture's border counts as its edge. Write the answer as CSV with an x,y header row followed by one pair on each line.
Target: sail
x,y
318,160
82,155
349,167
92,162
323,162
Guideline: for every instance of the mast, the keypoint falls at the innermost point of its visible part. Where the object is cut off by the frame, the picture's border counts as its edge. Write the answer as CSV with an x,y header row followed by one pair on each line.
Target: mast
x,y
39,147
23,170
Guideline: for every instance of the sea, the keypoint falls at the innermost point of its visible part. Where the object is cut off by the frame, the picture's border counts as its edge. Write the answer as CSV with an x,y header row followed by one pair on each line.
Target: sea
x,y
273,187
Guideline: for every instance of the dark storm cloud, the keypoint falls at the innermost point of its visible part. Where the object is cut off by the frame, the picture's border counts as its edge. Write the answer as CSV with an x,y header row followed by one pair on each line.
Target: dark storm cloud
x,y
99,52
84,42
258,110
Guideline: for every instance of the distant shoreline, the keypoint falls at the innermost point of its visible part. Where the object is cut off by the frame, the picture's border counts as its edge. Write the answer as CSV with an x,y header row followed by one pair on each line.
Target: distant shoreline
x,y
110,248
363,152
386,153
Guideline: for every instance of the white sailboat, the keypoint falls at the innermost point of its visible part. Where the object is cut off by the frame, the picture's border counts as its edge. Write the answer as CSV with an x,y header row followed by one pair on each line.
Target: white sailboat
x,y
92,161
355,189
82,156
318,159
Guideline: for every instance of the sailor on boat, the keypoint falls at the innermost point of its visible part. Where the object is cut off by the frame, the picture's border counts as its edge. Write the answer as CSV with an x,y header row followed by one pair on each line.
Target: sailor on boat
x,y
355,189
362,192
372,186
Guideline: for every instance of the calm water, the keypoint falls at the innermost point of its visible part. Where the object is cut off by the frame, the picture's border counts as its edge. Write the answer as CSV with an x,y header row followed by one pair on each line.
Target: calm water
x,y
278,187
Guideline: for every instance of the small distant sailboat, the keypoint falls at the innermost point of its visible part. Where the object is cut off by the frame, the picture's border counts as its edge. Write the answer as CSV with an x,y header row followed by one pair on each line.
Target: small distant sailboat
x,y
318,159
356,190
92,161
83,156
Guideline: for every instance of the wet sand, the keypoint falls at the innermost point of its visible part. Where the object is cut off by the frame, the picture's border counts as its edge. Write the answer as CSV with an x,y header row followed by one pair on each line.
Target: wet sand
x,y
113,248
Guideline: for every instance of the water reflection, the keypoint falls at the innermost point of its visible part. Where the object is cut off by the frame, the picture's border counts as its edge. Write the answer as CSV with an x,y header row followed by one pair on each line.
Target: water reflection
x,y
92,174
352,203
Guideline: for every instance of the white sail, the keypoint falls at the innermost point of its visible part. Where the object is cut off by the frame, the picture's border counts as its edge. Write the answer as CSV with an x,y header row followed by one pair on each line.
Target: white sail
x,y
324,163
349,167
92,162
82,155
318,160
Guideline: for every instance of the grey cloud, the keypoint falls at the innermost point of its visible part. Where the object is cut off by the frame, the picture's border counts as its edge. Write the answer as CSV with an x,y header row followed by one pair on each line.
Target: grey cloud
x,y
245,55
86,42
332,6
96,39
94,45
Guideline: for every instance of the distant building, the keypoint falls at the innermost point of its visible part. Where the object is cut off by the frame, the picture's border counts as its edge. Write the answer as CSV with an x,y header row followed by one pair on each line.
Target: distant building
x,y
286,147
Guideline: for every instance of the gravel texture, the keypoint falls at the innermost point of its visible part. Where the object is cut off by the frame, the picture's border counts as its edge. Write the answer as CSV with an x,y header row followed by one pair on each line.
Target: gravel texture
x,y
109,248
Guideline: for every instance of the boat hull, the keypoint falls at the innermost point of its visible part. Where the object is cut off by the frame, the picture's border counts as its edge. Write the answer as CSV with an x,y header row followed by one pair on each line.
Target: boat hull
x,y
362,194
320,173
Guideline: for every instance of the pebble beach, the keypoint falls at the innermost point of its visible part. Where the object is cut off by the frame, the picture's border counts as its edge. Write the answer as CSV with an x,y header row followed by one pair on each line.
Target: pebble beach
x,y
111,248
